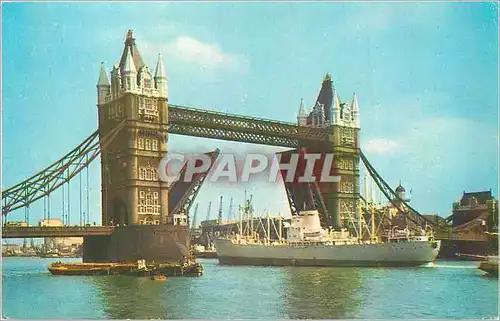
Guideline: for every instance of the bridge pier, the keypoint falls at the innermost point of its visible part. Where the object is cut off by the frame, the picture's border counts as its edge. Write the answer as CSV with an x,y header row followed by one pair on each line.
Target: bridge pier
x,y
159,243
449,248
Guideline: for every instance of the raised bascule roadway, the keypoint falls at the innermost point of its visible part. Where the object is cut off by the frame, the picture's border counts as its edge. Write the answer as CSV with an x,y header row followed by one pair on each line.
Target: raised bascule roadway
x,y
135,119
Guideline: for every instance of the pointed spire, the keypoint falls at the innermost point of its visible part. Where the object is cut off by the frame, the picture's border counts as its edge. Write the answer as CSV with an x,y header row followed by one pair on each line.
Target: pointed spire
x,y
355,111
354,104
336,108
160,77
160,68
103,77
302,111
302,115
131,46
102,85
128,64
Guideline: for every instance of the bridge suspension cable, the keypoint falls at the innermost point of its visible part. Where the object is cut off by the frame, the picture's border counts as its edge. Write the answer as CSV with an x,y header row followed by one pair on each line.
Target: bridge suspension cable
x,y
60,172
412,214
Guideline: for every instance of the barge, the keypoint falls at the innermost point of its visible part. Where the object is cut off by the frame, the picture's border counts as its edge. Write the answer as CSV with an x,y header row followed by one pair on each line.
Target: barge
x,y
140,269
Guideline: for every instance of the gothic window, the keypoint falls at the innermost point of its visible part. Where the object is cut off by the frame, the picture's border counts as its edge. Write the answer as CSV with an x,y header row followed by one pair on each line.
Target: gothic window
x,y
140,143
141,194
141,173
155,145
155,195
148,144
346,187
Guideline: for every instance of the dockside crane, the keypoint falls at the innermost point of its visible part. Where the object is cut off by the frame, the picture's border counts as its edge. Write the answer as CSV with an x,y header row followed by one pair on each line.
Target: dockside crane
x,y
193,225
208,210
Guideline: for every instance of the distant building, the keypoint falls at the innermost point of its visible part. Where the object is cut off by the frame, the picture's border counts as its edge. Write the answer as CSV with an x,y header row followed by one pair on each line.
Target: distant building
x,y
11,249
53,222
435,218
16,224
207,223
476,206
392,211
59,241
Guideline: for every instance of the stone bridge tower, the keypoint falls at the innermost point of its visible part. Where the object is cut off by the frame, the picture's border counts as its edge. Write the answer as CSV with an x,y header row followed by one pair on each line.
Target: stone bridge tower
x,y
342,119
131,191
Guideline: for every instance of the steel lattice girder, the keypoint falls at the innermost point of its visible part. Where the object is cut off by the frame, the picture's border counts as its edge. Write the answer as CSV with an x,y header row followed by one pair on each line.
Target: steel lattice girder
x,y
55,175
202,123
186,201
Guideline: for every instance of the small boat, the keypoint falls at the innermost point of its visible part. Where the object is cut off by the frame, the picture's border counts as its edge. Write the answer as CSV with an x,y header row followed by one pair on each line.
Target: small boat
x,y
159,277
490,266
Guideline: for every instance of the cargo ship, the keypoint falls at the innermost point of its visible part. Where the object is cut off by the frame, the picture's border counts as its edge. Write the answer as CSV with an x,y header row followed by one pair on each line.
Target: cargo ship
x,y
308,244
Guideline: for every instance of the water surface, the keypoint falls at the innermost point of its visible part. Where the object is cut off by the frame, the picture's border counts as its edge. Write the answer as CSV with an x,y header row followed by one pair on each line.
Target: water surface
x,y
445,289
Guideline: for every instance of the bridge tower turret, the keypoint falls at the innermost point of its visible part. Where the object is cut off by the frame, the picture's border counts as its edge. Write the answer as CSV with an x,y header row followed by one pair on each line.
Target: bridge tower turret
x,y
302,115
355,111
161,78
335,114
103,87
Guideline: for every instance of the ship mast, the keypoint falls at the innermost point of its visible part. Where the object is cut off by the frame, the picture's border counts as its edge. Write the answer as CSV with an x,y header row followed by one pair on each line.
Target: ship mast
x,y
219,218
230,214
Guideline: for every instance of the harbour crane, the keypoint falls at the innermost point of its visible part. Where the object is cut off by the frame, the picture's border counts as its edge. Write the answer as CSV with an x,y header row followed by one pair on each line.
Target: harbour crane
x,y
208,210
193,225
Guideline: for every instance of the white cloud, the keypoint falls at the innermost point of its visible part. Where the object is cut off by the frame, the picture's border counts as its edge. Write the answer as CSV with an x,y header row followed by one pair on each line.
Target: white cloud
x,y
194,51
380,146
188,53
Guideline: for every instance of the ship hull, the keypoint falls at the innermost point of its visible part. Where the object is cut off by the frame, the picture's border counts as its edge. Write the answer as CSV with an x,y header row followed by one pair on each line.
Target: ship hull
x,y
387,254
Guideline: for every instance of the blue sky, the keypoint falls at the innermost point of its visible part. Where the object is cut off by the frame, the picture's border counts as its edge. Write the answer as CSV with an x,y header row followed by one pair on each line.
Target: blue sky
x,y
426,77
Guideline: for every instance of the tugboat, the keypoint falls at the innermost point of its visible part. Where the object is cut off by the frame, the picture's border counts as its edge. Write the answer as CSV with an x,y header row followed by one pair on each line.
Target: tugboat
x,y
490,266
159,277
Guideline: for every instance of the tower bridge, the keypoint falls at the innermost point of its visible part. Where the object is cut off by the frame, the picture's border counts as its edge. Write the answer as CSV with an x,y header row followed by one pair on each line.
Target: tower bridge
x,y
135,120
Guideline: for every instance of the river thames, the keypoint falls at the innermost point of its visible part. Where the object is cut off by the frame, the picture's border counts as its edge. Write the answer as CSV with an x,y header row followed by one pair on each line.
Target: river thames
x,y
444,289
